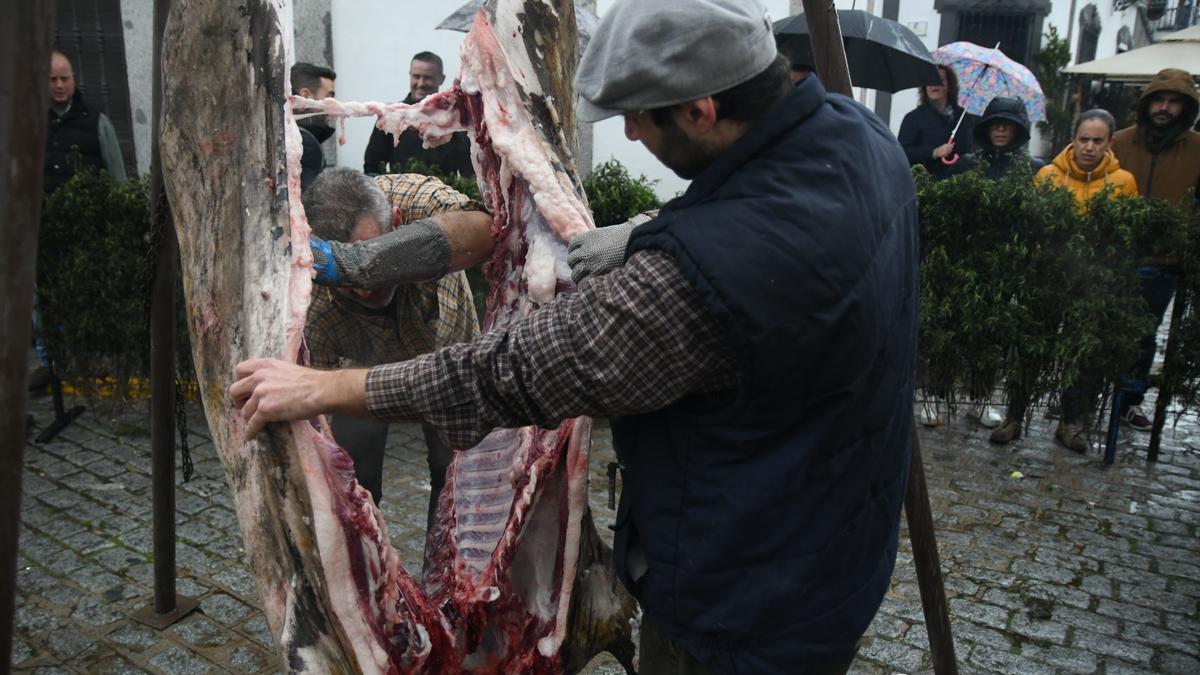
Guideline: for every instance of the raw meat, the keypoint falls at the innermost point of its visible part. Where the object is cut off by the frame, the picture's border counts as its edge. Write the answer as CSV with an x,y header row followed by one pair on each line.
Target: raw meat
x,y
518,580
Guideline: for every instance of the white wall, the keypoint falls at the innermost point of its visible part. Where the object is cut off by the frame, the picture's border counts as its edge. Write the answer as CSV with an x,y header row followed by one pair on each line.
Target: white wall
x,y
137,17
373,43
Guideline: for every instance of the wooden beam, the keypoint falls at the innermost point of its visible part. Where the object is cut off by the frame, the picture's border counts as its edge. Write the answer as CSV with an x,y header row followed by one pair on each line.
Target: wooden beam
x,y
25,40
829,54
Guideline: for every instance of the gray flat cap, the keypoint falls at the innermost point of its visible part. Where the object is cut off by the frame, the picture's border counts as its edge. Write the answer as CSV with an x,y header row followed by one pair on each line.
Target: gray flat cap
x,y
650,54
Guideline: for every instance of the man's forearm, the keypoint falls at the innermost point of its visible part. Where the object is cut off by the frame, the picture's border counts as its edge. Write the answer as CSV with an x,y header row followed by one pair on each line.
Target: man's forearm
x,y
419,251
345,392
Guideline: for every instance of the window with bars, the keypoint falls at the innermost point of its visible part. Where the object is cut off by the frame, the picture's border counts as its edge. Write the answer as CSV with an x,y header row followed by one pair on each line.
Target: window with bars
x,y
91,34
1012,30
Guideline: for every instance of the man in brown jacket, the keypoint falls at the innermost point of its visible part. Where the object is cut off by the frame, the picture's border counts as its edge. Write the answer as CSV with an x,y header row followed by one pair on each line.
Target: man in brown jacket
x,y
1163,154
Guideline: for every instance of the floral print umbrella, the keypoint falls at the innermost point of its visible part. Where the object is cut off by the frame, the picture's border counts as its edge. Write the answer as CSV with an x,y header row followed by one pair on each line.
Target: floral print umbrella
x,y
984,74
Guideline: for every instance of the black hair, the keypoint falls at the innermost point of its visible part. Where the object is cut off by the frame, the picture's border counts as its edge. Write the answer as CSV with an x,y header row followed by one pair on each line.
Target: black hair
x,y
744,102
308,76
951,87
430,57
1096,114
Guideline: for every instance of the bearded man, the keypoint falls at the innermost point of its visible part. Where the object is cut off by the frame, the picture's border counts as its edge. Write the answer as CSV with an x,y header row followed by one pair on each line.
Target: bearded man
x,y
1163,153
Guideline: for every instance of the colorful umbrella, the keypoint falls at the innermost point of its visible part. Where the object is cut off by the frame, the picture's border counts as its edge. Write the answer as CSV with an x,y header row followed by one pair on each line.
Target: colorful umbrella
x,y
984,74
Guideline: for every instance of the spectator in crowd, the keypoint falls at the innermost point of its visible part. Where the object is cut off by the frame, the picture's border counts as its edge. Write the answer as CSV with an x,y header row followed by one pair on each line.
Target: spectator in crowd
x,y
1086,167
426,307
1001,136
315,82
386,154
925,132
1163,153
76,126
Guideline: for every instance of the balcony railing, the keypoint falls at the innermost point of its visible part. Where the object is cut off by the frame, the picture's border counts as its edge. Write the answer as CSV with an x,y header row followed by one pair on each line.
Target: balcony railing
x,y
1182,15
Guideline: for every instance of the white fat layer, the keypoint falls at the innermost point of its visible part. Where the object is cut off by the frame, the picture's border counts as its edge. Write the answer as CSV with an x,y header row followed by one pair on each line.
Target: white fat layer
x,y
576,467
342,592
334,551
507,23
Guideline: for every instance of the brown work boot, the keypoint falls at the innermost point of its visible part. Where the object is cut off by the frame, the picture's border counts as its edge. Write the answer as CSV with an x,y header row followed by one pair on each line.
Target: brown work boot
x,y
1073,437
1006,432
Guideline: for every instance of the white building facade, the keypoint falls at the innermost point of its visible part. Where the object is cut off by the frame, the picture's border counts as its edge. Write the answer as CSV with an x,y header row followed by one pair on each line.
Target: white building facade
x,y
369,44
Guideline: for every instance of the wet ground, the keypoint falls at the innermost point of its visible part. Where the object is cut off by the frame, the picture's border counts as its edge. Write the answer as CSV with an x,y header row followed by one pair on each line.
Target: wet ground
x,y
1053,562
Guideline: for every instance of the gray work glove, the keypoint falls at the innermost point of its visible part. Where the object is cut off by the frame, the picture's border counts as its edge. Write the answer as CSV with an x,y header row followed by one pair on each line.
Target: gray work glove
x,y
602,250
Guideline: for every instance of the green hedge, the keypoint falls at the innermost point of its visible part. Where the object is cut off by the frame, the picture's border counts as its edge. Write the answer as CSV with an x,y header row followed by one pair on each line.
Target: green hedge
x,y
91,277
1020,286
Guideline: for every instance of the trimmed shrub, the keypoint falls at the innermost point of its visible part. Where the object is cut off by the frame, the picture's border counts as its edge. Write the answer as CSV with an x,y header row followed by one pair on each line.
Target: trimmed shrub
x,y
91,274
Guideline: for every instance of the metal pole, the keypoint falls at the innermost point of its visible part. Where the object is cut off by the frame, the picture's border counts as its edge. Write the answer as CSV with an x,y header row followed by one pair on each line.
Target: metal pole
x,y
25,36
1164,388
929,565
169,606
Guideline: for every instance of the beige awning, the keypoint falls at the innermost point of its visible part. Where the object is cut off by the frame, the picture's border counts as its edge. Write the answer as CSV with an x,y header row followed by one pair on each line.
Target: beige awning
x,y
1139,65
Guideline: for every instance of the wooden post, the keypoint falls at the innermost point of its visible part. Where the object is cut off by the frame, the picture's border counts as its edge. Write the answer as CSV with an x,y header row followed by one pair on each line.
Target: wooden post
x,y
929,565
834,71
25,36
829,54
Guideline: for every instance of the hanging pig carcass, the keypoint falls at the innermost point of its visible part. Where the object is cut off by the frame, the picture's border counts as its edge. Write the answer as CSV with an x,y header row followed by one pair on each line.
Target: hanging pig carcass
x,y
517,580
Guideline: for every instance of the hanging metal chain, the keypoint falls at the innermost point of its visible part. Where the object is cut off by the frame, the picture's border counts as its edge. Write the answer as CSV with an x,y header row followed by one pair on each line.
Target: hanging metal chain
x,y
181,417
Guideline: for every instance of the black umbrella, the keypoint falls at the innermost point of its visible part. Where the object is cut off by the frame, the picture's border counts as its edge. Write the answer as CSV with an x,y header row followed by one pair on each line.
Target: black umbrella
x,y
882,53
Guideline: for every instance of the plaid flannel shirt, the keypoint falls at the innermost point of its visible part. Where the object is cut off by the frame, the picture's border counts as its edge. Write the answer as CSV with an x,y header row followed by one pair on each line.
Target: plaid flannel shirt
x,y
631,341
342,333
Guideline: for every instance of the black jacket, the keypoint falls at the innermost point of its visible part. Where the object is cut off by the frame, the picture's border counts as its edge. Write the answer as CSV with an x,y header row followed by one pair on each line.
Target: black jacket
x,y
78,129
924,129
768,515
998,162
312,162
383,155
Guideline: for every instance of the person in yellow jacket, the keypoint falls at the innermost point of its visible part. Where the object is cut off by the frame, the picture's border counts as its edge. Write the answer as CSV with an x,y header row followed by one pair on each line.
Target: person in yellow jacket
x,y
1086,167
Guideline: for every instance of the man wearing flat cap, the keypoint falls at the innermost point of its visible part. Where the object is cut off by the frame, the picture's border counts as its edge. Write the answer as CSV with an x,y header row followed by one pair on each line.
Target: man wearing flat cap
x,y
754,348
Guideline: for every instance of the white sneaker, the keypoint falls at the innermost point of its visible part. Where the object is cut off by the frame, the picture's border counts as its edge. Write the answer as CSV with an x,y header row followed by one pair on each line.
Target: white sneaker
x,y
928,414
986,414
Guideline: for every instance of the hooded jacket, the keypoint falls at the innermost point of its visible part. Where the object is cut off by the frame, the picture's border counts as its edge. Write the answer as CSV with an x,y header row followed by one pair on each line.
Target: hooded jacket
x,y
1174,169
998,162
1065,172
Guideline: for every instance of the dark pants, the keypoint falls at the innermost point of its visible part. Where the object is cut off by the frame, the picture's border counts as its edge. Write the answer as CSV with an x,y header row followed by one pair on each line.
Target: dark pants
x,y
658,655
365,441
1158,287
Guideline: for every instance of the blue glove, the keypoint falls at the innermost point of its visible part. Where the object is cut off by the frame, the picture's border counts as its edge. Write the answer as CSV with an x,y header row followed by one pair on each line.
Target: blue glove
x,y
323,261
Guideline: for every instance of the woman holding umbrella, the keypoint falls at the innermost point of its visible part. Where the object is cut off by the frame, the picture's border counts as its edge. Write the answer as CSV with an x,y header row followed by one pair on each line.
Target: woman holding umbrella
x,y
925,132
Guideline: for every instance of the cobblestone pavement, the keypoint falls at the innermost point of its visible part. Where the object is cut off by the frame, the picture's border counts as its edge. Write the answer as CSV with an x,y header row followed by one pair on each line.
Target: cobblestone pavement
x,y
1072,568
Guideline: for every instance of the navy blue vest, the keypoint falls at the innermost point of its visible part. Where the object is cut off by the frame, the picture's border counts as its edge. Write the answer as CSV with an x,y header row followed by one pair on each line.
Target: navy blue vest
x,y
79,128
768,517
